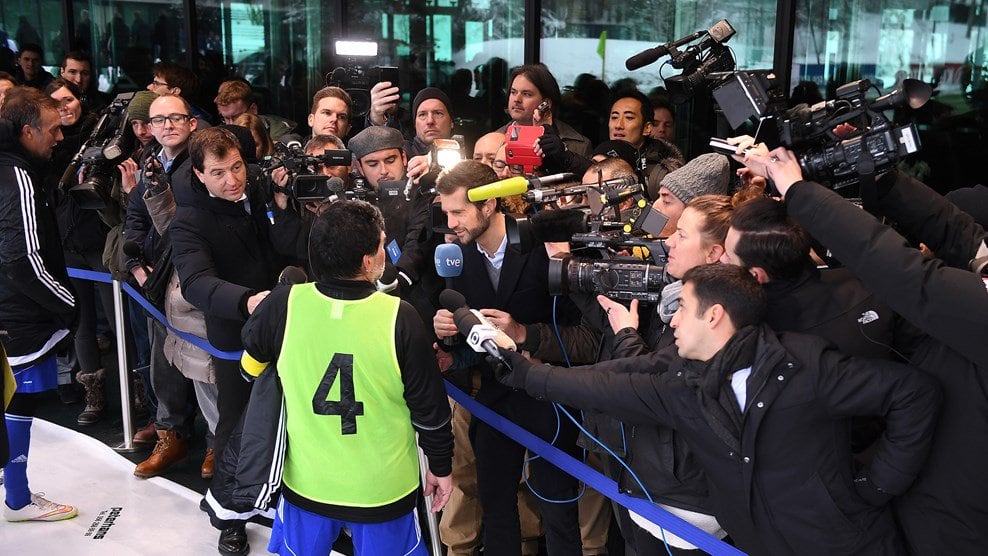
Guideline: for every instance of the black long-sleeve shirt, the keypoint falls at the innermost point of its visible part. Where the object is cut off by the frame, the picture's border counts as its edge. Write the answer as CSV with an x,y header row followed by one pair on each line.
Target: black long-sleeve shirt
x,y
263,337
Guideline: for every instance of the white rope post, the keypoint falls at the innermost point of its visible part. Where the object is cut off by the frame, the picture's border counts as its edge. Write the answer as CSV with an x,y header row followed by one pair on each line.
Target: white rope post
x,y
124,371
430,516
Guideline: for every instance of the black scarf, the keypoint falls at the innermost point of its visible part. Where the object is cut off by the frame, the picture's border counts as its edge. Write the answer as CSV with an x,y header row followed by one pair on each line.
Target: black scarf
x,y
708,379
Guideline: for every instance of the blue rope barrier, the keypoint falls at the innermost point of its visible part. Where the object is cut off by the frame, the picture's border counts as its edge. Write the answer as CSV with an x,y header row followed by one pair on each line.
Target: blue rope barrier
x,y
567,463
594,479
155,313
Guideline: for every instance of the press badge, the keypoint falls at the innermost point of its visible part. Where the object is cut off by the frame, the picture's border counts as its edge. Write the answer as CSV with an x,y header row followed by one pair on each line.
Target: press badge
x,y
394,252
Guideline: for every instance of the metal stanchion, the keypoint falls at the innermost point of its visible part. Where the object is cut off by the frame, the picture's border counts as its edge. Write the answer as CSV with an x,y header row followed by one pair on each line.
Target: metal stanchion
x,y
124,371
430,516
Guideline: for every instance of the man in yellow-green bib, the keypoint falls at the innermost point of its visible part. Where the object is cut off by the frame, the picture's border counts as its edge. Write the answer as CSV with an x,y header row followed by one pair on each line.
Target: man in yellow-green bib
x,y
360,380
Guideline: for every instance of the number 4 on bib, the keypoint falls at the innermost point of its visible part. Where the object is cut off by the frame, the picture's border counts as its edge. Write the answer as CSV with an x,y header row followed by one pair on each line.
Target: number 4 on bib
x,y
348,408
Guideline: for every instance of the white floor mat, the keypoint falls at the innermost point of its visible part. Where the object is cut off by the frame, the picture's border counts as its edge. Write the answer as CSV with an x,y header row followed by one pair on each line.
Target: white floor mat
x,y
132,516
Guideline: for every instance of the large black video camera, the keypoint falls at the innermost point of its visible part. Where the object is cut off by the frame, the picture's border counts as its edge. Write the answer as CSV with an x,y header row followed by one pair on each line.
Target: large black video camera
x,y
109,144
306,184
357,82
601,233
836,141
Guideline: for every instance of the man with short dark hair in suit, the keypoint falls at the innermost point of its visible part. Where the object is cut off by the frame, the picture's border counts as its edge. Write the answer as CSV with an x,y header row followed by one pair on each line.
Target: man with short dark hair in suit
x,y
508,286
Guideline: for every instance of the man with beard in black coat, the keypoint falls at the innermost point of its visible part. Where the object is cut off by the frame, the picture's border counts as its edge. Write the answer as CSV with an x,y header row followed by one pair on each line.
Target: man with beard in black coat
x,y
226,265
766,416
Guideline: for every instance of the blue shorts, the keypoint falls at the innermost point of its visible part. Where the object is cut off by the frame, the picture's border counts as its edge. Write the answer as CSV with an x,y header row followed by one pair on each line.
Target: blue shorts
x,y
38,377
297,532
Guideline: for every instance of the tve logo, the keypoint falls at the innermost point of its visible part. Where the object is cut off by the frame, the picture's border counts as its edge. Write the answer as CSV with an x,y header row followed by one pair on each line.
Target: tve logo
x,y
449,260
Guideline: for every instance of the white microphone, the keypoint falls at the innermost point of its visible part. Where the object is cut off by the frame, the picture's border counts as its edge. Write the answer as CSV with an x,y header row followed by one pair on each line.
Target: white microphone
x,y
481,334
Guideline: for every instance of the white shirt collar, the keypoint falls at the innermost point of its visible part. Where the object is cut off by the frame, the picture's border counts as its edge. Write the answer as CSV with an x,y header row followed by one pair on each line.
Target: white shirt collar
x,y
498,259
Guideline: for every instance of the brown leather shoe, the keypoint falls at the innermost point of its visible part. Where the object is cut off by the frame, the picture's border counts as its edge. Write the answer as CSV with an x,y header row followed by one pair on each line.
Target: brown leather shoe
x,y
147,434
207,465
170,450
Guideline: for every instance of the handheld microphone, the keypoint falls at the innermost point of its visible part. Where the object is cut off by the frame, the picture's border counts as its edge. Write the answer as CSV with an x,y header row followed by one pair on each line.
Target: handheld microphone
x,y
449,261
503,188
514,186
449,265
291,275
481,334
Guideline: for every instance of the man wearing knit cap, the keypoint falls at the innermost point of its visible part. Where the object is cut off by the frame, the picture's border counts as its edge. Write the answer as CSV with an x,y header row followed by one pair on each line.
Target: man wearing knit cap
x,y
706,174
379,154
137,115
430,113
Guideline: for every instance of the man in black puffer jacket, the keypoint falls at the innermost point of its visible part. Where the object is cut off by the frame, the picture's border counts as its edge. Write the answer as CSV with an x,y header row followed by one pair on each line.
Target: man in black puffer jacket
x,y
766,417
945,512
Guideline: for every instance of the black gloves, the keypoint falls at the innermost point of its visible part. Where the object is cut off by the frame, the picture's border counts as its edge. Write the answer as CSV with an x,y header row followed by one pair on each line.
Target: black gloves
x,y
870,492
513,370
155,177
551,143
557,158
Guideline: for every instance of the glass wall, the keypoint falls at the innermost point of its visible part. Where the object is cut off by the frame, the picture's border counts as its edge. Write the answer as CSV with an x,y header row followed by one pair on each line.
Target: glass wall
x,y
37,22
285,49
126,38
586,42
886,41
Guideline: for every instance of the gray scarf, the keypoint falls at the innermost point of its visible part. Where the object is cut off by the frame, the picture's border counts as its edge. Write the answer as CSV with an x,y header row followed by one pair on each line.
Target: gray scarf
x,y
669,303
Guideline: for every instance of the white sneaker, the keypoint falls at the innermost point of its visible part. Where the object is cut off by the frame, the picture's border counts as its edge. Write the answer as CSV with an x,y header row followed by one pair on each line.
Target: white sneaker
x,y
40,509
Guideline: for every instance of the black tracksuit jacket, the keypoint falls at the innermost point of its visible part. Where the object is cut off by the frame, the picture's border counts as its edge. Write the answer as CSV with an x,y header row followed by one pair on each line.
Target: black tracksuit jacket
x,y
37,302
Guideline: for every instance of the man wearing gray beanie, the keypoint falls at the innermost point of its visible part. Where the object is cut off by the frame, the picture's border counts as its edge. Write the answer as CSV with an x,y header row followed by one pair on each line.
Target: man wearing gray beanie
x,y
379,154
706,174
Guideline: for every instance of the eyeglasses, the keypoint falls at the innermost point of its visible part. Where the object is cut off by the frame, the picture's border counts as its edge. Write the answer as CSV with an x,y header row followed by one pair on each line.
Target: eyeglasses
x,y
513,168
157,83
159,121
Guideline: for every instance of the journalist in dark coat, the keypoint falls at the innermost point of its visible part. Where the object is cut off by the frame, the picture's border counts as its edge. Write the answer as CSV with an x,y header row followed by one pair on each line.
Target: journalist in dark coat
x,y
223,257
227,265
512,281
946,511
774,446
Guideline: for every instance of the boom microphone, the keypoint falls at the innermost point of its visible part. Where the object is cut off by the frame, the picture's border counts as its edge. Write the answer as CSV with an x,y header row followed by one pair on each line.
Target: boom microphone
x,y
718,33
514,186
646,57
558,225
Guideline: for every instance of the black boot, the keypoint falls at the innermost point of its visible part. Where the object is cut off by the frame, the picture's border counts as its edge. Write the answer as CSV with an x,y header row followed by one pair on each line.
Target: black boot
x,y
233,540
94,383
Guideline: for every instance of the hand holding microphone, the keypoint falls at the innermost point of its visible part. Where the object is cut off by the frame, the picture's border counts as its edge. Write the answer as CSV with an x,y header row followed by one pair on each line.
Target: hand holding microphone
x,y
449,265
481,334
